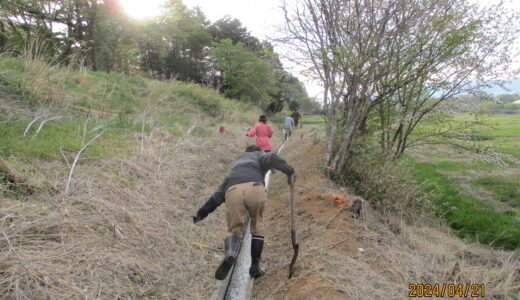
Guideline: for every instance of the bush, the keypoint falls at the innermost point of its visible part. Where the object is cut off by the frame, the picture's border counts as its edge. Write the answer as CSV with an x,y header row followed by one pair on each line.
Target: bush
x,y
387,185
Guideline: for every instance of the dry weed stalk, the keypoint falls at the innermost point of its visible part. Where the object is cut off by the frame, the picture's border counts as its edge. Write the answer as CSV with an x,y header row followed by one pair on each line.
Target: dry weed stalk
x,y
44,80
83,148
36,118
43,123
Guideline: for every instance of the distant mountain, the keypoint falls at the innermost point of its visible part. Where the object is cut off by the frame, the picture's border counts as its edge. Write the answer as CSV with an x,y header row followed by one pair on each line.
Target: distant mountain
x,y
513,86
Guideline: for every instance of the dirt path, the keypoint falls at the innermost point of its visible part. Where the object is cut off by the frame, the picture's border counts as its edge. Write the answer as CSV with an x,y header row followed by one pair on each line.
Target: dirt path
x,y
315,211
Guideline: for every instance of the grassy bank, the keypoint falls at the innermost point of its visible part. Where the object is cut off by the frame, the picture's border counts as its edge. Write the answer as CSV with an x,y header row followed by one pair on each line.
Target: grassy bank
x,y
313,120
145,155
46,108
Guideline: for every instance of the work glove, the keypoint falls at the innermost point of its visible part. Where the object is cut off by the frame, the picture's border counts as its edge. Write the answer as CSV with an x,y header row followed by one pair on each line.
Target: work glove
x,y
291,178
197,218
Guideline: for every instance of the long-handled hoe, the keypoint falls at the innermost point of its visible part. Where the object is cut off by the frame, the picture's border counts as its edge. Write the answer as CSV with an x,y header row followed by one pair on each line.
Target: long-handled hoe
x,y
295,245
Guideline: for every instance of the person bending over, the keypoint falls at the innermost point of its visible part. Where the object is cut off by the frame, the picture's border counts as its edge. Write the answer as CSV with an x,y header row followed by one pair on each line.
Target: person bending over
x,y
243,191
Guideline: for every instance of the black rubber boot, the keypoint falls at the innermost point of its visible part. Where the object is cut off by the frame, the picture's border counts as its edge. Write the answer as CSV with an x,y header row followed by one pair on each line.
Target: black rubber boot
x,y
231,246
257,244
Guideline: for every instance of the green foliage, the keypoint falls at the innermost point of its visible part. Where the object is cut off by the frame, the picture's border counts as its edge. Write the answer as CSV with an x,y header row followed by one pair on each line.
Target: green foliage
x,y
246,77
115,39
175,45
293,105
293,92
228,28
387,185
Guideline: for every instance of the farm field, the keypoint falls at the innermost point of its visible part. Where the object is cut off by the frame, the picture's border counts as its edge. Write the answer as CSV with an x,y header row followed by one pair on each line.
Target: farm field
x,y
313,119
500,132
476,192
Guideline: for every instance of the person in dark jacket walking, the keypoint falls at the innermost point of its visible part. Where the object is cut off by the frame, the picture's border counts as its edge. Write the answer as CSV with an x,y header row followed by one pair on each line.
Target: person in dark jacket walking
x,y
296,117
243,191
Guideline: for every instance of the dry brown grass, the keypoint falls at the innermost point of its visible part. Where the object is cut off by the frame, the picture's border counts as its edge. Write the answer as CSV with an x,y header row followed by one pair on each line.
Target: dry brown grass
x,y
44,82
395,251
124,231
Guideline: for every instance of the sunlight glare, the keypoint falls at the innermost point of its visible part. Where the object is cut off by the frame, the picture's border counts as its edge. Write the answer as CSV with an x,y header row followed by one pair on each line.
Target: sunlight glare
x,y
142,8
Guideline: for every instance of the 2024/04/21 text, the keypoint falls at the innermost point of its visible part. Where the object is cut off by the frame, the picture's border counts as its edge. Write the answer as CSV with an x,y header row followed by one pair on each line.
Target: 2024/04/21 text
x,y
449,290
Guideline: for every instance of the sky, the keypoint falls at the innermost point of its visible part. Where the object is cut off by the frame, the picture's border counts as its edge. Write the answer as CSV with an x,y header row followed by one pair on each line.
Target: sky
x,y
260,17
257,15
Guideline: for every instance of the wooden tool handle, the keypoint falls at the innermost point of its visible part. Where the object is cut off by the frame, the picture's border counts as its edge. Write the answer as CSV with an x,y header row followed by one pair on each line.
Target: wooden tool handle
x,y
293,211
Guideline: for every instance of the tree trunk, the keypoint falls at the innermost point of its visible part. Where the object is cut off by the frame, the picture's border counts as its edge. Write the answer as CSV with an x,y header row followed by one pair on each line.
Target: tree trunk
x,y
92,36
354,113
3,36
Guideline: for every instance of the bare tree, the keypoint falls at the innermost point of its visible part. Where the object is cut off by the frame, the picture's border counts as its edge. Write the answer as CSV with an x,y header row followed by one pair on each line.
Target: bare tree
x,y
350,45
461,52
368,52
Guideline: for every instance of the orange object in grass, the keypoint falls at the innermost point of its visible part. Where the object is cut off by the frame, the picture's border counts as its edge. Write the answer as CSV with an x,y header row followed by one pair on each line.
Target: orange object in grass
x,y
339,200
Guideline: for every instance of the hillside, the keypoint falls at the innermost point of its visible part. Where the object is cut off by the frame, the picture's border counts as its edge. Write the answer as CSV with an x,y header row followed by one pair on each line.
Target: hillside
x,y
123,229
512,86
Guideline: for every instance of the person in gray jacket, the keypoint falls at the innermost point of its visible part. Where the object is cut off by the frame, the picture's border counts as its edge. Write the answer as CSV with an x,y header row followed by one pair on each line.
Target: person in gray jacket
x,y
289,123
243,191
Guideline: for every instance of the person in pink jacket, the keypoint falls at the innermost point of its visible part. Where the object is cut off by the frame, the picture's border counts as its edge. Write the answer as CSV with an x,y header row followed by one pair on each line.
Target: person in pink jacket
x,y
263,132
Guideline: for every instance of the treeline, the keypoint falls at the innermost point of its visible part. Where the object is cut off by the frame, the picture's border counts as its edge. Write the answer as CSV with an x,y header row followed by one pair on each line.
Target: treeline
x,y
502,104
180,44
486,104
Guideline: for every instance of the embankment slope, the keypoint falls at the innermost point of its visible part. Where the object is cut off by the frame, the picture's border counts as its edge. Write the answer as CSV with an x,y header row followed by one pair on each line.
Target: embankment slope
x,y
123,230
368,257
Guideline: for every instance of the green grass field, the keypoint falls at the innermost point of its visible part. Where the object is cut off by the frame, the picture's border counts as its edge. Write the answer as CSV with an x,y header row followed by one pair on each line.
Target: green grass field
x,y
312,119
501,132
478,194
